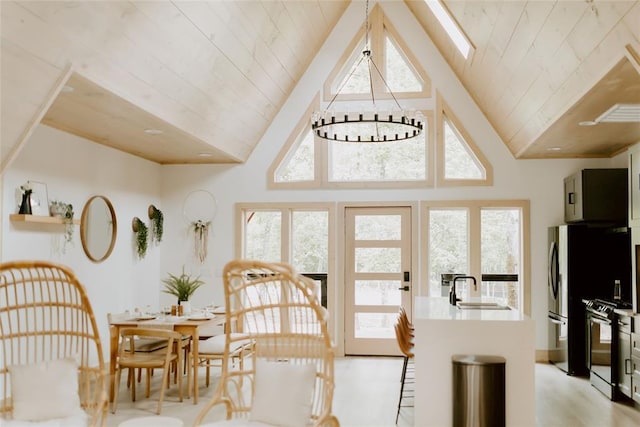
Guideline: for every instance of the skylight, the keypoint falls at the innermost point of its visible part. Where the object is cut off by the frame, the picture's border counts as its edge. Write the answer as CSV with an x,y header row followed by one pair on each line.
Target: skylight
x,y
450,26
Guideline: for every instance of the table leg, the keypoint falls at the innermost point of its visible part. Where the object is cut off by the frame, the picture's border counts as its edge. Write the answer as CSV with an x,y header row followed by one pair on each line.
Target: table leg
x,y
113,357
194,360
193,332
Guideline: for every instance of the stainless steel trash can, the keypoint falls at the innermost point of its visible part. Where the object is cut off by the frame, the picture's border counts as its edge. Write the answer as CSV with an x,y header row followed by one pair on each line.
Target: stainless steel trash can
x,y
478,390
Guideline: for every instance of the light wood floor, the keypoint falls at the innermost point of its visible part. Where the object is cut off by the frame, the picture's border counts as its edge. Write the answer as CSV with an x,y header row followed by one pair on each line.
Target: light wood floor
x,y
367,389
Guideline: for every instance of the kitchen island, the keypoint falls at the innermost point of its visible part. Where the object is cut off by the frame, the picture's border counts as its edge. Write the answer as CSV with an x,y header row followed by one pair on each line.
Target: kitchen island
x,y
443,330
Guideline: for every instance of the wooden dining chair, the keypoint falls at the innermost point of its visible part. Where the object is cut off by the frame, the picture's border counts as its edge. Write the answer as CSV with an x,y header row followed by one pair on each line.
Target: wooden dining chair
x,y
288,378
130,358
51,359
143,344
211,352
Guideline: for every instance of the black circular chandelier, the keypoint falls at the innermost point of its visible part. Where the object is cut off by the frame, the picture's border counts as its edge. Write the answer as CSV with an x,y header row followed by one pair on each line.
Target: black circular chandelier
x,y
366,126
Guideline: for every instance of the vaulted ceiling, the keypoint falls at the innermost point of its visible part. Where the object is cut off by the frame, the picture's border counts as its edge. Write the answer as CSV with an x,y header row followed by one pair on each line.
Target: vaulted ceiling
x,y
211,75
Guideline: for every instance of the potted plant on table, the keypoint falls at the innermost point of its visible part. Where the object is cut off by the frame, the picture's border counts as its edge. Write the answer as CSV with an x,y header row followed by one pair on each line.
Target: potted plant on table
x,y
182,287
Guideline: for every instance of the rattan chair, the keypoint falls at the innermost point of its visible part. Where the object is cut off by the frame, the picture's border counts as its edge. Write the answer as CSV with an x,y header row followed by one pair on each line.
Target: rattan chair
x,y
292,358
130,358
46,325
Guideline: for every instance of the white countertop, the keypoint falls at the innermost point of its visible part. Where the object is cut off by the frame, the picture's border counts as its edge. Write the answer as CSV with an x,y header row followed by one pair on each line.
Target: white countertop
x,y
438,308
624,311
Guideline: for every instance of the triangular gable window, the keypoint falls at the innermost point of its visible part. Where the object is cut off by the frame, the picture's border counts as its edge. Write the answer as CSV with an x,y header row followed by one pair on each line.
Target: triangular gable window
x,y
356,79
399,68
401,76
459,161
299,165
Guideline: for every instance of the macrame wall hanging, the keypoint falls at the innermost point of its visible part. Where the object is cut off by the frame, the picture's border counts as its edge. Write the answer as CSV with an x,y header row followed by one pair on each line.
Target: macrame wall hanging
x,y
199,209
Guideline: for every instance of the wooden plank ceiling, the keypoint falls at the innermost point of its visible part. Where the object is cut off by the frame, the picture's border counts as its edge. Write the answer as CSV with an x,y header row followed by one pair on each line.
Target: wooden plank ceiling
x,y
211,75
541,67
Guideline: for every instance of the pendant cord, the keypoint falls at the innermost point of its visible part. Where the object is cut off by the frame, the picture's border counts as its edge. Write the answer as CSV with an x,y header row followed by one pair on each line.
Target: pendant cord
x,y
366,28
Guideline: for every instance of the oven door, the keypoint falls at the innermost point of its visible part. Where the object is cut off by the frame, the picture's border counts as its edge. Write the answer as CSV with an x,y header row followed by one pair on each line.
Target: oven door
x,y
600,351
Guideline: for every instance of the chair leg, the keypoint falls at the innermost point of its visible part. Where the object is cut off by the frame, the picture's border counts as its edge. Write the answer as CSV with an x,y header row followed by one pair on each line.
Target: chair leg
x,y
404,374
148,390
208,370
189,379
133,385
166,379
180,363
117,388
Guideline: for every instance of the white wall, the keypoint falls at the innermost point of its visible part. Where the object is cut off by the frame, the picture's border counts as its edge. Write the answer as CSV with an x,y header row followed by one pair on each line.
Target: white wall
x,y
75,170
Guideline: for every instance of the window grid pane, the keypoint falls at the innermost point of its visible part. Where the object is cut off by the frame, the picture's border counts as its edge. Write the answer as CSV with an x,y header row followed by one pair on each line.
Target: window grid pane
x,y
310,241
448,247
386,161
500,252
263,235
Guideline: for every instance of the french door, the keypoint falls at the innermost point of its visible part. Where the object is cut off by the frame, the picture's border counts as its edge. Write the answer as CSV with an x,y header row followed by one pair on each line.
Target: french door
x,y
378,277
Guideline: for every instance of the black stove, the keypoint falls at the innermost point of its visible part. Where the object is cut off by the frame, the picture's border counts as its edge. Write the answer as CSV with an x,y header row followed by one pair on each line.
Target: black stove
x,y
605,308
602,327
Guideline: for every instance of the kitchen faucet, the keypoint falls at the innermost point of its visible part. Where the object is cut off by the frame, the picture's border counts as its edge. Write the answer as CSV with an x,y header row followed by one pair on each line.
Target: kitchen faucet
x,y
453,299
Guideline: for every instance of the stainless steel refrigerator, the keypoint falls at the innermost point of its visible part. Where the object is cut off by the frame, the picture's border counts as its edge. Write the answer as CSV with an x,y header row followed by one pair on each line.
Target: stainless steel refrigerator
x,y
584,262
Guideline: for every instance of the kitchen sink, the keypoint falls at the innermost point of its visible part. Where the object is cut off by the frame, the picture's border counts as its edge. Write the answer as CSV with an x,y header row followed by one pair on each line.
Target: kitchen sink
x,y
462,305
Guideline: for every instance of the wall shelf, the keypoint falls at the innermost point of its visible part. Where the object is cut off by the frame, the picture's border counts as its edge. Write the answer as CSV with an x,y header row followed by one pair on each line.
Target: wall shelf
x,y
39,219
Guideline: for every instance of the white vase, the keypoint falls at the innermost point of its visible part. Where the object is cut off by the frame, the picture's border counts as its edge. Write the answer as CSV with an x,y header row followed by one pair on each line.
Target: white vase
x,y
186,307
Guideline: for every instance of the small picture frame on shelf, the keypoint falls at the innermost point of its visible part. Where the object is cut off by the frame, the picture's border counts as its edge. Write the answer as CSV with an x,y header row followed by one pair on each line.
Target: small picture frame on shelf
x,y
39,198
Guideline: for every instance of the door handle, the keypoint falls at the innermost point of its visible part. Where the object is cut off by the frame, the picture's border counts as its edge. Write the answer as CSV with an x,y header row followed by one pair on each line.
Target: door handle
x,y
627,362
572,198
404,288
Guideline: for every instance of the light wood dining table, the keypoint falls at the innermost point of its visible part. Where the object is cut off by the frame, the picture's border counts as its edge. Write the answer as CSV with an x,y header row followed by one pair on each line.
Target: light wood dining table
x,y
187,326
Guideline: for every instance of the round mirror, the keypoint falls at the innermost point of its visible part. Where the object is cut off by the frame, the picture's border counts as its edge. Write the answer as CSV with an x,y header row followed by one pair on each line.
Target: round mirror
x,y
98,228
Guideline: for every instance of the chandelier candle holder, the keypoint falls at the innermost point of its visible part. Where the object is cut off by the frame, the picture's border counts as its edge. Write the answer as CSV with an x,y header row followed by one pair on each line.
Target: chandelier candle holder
x,y
381,128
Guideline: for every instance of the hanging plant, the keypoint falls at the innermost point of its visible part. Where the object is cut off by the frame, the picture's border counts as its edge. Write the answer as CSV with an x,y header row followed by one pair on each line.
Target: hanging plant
x,y
157,223
64,211
68,223
142,234
201,231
